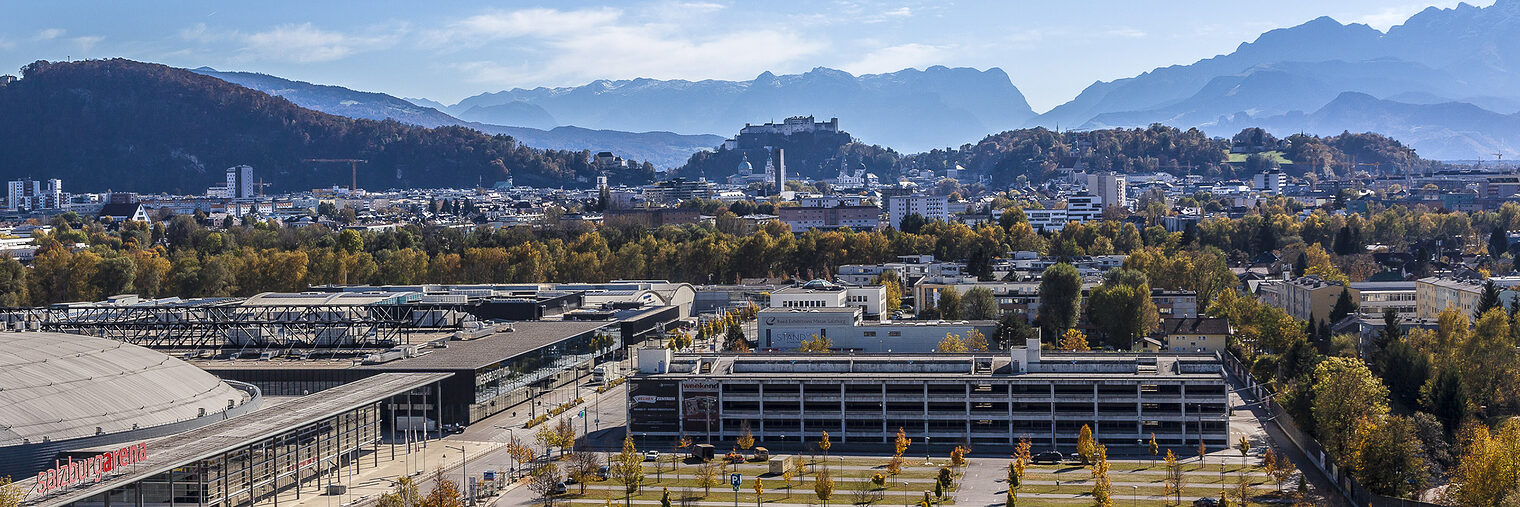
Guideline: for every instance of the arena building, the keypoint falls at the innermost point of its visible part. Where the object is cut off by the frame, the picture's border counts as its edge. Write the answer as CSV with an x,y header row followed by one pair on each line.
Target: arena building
x,y
62,391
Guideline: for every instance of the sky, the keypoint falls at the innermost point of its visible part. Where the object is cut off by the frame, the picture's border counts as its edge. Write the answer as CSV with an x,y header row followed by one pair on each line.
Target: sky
x,y
447,50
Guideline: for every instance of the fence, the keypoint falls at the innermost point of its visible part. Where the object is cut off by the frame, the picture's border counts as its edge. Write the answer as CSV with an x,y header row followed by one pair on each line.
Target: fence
x,y
1350,490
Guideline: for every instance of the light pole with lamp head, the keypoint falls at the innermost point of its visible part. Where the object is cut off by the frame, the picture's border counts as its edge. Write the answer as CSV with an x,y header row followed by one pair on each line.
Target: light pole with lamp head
x,y
464,473
511,437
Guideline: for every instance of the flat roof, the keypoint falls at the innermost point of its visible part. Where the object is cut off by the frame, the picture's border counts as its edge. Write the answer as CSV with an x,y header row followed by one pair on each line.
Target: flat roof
x,y
1053,367
169,452
525,336
821,309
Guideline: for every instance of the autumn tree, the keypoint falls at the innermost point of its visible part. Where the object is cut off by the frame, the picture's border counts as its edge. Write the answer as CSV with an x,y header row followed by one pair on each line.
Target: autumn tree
x,y
564,434
1488,464
1175,480
1102,489
817,344
584,466
1087,446
899,447
951,343
707,476
949,304
403,494
746,437
628,468
1073,340
976,341
1344,391
823,485
445,493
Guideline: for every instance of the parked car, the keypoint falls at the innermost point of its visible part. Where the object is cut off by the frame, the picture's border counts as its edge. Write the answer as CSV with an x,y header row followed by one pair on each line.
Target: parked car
x,y
604,473
559,488
651,455
1052,457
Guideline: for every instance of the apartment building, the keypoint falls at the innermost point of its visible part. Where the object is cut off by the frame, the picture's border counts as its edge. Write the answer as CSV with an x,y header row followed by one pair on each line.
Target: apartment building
x,y
931,207
1306,296
860,218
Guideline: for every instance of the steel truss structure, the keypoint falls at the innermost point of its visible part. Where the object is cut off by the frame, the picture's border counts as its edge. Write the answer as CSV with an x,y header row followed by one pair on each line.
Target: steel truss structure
x,y
229,326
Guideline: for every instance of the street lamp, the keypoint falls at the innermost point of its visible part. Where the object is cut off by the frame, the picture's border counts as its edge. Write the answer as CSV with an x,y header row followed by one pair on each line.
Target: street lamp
x,y
464,473
511,437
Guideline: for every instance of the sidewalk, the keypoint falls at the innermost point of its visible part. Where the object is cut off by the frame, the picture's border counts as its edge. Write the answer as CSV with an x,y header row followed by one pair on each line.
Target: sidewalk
x,y
370,482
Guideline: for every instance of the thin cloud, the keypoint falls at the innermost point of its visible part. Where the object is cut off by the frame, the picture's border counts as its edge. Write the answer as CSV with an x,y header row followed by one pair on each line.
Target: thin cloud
x,y
88,42
587,44
299,43
534,23
49,34
895,58
893,14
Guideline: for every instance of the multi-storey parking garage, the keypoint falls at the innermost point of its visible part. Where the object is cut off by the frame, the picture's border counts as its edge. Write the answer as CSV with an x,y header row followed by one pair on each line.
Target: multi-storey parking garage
x,y
950,398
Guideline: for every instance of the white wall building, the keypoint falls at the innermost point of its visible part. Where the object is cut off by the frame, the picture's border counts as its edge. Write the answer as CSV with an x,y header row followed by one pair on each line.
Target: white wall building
x,y
1110,188
931,207
1270,182
821,294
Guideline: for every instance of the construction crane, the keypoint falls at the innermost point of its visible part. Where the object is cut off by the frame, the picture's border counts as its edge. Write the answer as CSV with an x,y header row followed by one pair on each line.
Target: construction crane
x,y
353,186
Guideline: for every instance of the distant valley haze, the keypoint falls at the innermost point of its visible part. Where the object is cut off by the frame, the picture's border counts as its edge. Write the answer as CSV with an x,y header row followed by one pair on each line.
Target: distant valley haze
x,y
658,80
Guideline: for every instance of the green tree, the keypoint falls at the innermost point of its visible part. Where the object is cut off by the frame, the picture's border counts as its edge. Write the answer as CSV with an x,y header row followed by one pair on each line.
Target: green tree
x,y
350,241
628,469
1344,391
1498,241
1344,306
1122,309
1012,331
949,304
979,304
1389,460
1060,300
1487,300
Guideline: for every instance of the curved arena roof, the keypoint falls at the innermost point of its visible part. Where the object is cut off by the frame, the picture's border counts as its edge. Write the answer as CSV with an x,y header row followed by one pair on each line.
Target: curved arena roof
x,y
58,386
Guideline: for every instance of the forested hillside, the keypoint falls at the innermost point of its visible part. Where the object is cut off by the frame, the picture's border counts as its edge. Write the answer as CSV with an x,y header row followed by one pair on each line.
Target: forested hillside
x,y
145,127
1037,153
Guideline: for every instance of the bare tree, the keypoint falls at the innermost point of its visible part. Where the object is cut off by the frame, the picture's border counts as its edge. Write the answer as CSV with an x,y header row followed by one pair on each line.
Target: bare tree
x,y
707,477
544,480
583,467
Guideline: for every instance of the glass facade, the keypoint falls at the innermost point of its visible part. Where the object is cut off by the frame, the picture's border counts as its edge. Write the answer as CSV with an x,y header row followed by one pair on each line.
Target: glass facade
x,y
293,464
535,366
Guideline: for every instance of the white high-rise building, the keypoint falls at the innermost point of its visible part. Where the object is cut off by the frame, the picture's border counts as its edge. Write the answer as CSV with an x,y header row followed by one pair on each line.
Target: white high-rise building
x,y
33,194
240,182
931,207
1270,182
1109,187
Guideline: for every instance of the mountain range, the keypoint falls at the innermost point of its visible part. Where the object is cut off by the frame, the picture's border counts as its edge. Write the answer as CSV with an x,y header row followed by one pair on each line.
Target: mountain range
x,y
1443,82
663,149
1461,61
910,110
